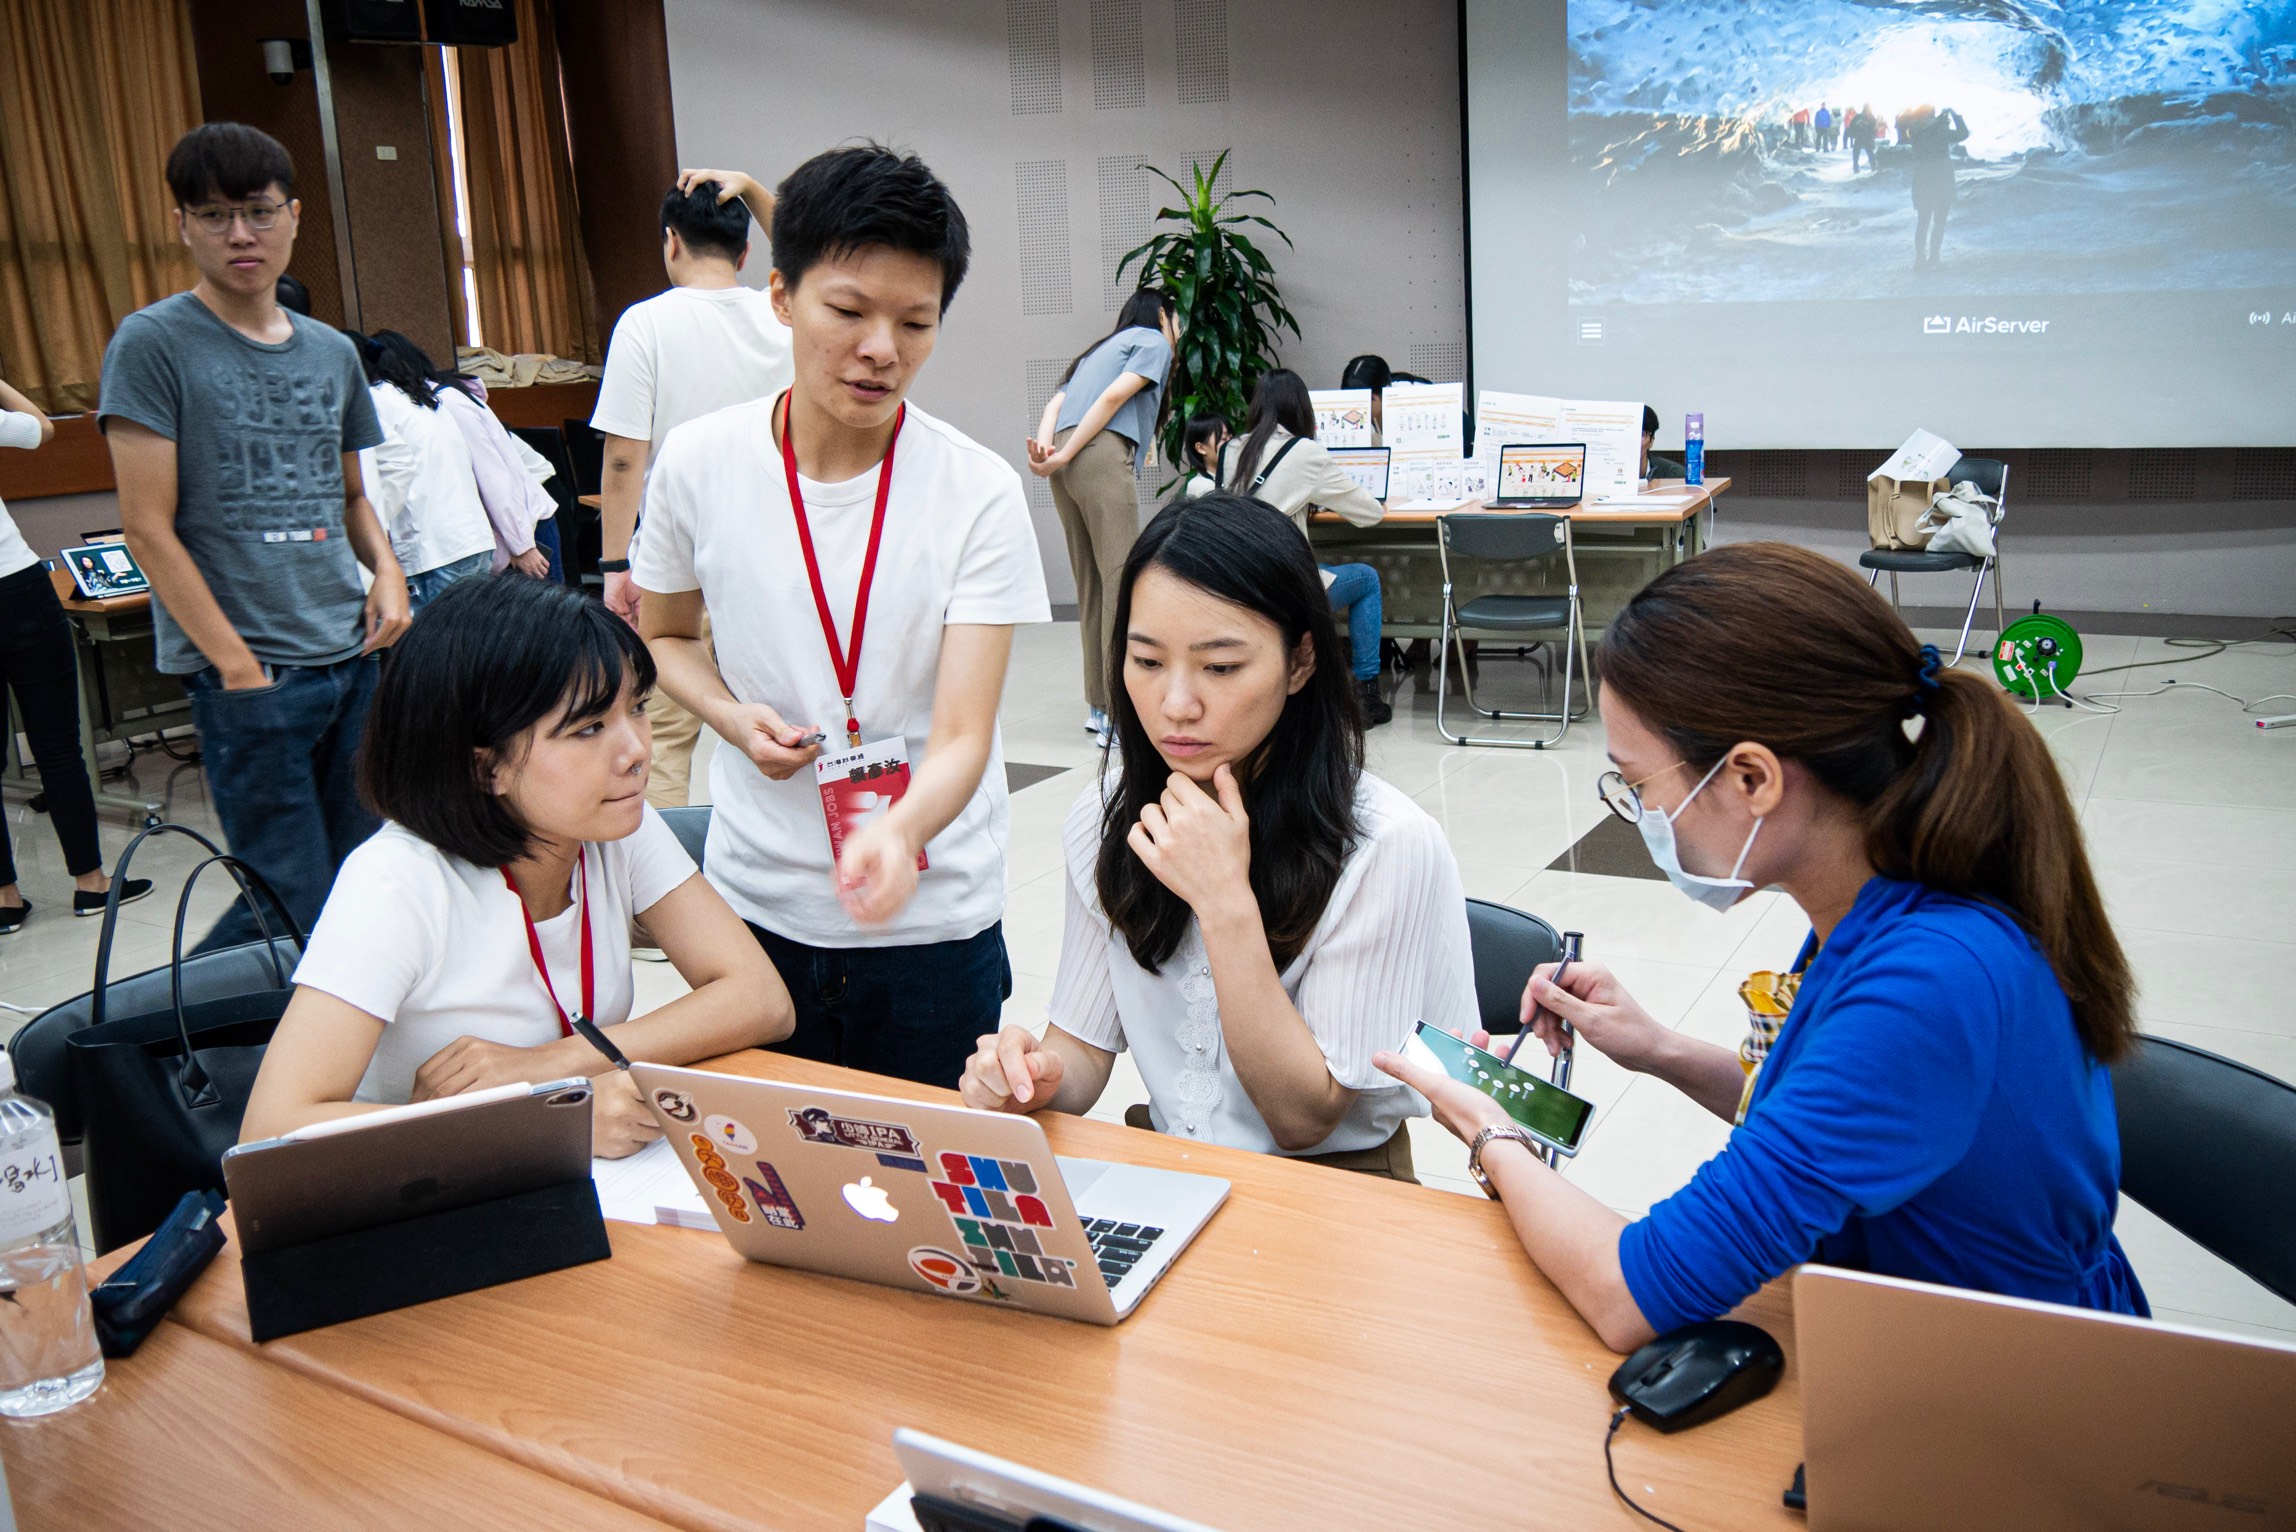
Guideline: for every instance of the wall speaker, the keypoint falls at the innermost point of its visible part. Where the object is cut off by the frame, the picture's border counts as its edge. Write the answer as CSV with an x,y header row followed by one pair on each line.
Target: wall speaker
x,y
380,21
472,23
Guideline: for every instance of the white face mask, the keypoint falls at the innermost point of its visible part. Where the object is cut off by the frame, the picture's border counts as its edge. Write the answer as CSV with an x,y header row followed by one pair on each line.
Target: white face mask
x,y
1657,827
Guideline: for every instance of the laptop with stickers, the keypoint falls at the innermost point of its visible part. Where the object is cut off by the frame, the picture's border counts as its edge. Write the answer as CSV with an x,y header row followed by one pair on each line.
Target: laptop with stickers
x,y
935,1199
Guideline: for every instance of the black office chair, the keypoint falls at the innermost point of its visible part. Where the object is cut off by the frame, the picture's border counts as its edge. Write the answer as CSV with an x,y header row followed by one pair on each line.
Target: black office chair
x,y
2209,1146
1508,944
577,524
43,1065
1519,537
691,825
587,450
1991,475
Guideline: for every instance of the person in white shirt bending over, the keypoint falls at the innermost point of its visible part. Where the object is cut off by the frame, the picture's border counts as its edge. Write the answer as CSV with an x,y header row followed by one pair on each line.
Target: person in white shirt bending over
x,y
864,564
1250,912
707,343
425,485
507,753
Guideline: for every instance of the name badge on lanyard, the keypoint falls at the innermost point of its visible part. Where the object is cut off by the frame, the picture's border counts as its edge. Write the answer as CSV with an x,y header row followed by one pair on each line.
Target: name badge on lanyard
x,y
861,782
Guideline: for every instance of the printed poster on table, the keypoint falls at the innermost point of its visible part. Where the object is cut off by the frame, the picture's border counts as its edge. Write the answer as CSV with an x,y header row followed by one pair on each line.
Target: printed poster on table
x,y
1424,415
1515,420
1343,417
1613,435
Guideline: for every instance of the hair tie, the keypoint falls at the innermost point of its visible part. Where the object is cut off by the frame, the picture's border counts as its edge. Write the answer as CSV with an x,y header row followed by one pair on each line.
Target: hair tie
x,y
1925,685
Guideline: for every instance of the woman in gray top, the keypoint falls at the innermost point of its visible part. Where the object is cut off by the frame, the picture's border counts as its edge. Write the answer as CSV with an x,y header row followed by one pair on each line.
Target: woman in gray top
x,y
1104,412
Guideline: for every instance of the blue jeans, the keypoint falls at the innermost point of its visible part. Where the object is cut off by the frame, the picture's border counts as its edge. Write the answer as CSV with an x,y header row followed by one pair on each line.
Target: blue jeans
x,y
912,1012
427,585
1355,591
281,773
546,538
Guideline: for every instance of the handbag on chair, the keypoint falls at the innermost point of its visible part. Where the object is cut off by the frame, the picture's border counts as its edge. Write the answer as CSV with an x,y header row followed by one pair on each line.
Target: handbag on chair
x,y
161,1094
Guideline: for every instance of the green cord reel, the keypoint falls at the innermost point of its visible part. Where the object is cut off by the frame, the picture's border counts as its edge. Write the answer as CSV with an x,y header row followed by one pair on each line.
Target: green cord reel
x,y
2037,656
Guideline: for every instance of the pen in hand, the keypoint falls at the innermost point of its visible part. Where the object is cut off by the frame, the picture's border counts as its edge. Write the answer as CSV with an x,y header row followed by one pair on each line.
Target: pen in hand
x,y
1570,953
590,1034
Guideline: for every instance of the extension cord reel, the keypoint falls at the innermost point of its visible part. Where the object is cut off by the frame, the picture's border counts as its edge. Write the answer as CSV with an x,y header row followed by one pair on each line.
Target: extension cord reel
x,y
2037,656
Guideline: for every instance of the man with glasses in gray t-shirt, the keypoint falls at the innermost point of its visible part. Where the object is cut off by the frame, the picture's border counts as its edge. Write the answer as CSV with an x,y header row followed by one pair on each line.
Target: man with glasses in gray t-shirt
x,y
235,429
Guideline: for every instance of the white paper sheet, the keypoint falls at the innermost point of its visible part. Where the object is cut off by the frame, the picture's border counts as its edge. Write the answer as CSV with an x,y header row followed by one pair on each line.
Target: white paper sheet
x,y
1343,416
1414,415
1924,455
1427,473
1612,431
1512,420
646,1186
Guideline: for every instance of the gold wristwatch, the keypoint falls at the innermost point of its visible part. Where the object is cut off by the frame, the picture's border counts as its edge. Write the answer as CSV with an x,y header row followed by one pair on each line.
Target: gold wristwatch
x,y
1475,1152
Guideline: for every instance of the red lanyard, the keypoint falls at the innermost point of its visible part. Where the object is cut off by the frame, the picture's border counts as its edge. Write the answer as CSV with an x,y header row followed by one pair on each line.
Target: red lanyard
x,y
846,663
534,944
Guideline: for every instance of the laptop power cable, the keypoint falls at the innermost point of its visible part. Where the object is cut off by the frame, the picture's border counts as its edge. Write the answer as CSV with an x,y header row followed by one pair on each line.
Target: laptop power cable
x,y
1617,1419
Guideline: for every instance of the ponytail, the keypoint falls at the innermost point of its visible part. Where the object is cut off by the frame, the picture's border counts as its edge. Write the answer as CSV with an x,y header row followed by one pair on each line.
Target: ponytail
x,y
1781,646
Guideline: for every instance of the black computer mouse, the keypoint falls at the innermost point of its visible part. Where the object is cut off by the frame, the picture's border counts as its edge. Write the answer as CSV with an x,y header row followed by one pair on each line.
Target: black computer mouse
x,y
1689,1376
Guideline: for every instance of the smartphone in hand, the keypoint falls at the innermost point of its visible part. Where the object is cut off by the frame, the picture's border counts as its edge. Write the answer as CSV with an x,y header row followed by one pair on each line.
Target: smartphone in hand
x,y
1552,1115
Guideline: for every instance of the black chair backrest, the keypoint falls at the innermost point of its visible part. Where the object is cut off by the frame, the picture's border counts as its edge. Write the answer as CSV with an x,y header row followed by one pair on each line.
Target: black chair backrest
x,y
586,449
1507,944
2209,1146
691,825
551,443
1989,474
44,1070
1514,535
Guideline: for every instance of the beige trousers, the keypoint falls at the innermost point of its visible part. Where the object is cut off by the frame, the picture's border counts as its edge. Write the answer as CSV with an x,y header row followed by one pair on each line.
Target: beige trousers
x,y
1100,513
669,779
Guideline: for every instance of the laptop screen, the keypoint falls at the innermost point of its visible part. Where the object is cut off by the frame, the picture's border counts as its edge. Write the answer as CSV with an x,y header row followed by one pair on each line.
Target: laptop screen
x,y
1367,466
1552,473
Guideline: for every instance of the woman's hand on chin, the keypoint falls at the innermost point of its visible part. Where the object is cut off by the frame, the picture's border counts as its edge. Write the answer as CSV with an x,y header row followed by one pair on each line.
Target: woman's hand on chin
x,y
620,1121
469,1064
1198,846
1461,1108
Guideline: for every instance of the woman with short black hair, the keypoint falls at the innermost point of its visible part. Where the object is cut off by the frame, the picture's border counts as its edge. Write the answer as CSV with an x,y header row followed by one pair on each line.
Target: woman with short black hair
x,y
1250,912
507,754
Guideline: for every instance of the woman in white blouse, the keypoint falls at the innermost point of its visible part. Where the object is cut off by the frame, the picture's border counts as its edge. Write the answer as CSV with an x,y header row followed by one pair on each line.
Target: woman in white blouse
x,y
1279,462
507,751
1249,911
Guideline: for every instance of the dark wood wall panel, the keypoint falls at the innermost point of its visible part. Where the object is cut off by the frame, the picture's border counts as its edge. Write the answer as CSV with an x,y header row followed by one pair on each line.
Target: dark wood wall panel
x,y
227,38
614,56
396,221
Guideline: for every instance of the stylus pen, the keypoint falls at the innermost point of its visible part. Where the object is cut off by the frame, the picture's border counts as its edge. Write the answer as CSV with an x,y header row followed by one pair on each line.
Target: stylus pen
x,y
597,1039
1571,940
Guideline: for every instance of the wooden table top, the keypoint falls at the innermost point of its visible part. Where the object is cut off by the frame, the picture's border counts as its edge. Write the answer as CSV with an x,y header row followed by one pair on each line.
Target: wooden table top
x,y
1333,1350
1688,501
189,1432
109,606
594,502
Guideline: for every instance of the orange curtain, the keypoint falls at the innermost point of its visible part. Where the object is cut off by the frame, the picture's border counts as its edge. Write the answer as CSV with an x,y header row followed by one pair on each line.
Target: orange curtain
x,y
93,95
526,237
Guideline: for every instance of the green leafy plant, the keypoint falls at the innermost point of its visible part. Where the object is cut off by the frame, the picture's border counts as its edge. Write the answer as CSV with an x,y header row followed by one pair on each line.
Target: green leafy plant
x,y
1230,311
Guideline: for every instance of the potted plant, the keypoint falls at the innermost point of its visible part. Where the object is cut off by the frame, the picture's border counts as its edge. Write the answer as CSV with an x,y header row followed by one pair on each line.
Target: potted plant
x,y
1230,311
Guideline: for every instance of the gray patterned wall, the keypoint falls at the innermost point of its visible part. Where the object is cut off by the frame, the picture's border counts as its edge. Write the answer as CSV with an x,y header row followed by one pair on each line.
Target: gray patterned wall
x,y
1038,113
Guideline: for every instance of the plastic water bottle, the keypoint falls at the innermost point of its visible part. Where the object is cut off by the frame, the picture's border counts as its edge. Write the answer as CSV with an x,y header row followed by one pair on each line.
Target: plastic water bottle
x,y
1694,449
48,1353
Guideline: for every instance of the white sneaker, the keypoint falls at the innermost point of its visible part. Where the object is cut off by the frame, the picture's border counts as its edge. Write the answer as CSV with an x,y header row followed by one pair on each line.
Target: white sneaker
x,y
1096,722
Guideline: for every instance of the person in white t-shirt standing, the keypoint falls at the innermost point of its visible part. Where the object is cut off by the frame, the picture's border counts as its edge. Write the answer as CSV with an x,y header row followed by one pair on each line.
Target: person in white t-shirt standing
x,y
866,564
707,343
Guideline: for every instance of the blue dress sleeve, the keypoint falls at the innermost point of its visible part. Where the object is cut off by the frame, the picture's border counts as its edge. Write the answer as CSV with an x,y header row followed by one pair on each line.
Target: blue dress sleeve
x,y
1881,1097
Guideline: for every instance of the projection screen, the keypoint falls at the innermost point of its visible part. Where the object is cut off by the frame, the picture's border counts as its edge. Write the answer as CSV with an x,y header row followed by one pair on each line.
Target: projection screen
x,y
1824,223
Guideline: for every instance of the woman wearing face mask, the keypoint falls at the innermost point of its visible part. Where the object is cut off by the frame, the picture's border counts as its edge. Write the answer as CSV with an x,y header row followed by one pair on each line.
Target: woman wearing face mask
x,y
1937,1104
1249,911
507,753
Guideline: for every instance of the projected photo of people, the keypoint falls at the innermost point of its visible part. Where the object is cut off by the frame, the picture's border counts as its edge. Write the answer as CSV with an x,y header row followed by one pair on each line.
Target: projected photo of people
x,y
1758,150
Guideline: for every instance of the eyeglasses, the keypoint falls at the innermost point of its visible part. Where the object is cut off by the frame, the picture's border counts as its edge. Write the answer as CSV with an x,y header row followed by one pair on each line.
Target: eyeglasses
x,y
1622,797
262,217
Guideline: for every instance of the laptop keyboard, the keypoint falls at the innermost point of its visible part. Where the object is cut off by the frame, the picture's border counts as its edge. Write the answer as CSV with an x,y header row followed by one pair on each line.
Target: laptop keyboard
x,y
1118,1246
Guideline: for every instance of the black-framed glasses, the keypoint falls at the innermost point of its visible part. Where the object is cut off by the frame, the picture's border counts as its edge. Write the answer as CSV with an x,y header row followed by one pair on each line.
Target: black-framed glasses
x,y
216,217
1618,795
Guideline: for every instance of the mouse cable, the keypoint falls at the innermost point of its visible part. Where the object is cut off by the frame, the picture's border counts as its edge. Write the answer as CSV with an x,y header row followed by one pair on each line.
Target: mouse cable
x,y
1618,1419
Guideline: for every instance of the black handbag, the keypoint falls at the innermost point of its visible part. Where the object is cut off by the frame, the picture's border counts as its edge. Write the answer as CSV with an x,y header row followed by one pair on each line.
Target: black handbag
x,y
161,1094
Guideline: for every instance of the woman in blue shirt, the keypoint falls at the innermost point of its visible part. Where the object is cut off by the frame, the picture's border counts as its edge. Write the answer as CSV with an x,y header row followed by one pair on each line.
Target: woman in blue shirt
x,y
1094,429
1936,1105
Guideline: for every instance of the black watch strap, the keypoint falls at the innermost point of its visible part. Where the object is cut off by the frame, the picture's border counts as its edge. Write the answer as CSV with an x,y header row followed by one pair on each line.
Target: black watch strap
x,y
613,566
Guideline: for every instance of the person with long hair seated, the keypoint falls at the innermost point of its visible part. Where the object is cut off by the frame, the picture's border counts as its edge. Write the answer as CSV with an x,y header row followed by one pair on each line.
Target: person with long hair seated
x,y
507,753
1250,912
1278,461
1936,1104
